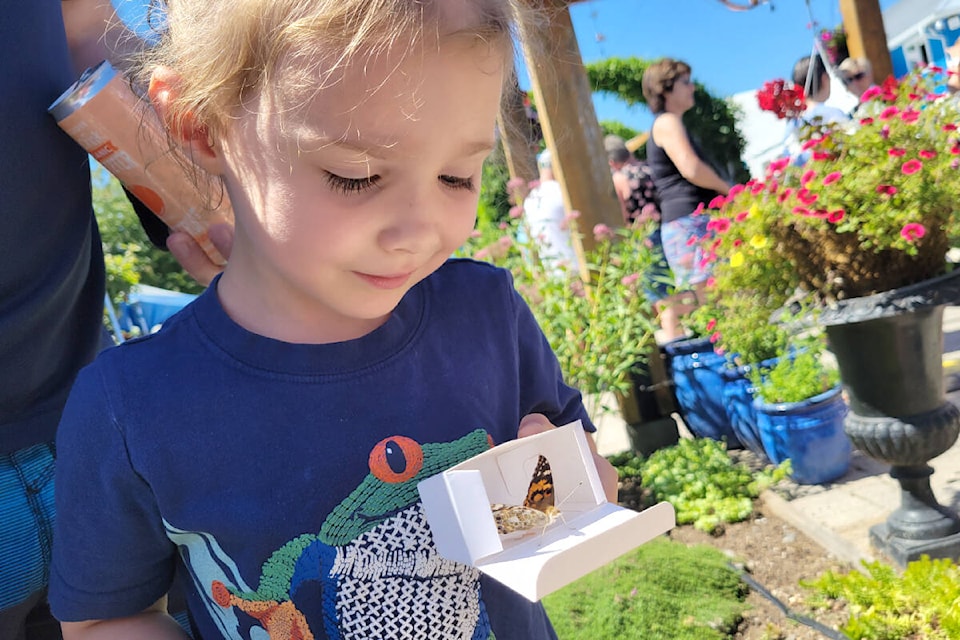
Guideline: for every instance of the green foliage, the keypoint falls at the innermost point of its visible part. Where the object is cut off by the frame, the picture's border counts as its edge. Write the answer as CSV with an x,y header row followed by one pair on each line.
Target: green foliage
x,y
600,331
494,205
627,463
129,256
608,127
703,484
883,605
662,590
712,121
797,376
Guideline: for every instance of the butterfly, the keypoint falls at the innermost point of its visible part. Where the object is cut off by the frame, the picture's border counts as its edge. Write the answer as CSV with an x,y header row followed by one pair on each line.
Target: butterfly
x,y
538,510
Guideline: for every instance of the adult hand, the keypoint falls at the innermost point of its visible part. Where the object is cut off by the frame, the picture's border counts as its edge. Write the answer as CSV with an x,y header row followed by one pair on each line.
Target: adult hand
x,y
193,259
535,423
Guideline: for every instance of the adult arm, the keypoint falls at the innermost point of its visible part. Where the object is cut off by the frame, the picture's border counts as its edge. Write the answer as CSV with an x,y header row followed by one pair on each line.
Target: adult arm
x,y
622,186
95,33
670,134
153,623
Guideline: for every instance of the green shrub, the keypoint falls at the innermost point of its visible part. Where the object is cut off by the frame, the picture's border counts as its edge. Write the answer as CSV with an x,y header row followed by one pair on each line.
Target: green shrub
x,y
923,602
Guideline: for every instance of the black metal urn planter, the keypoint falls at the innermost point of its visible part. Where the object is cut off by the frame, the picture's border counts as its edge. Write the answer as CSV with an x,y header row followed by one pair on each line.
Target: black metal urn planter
x,y
889,349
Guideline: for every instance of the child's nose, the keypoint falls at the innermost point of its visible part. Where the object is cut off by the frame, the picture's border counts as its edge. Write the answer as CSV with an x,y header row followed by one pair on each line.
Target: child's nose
x,y
414,229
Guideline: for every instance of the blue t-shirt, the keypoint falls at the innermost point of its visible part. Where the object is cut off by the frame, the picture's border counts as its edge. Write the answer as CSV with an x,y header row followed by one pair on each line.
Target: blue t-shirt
x,y
283,476
51,265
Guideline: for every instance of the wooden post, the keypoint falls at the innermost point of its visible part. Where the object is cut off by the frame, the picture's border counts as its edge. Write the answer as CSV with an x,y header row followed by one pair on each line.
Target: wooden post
x,y
569,121
863,23
519,145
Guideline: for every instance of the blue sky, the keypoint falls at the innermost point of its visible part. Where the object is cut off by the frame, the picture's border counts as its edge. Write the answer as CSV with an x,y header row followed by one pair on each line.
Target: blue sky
x,y
729,51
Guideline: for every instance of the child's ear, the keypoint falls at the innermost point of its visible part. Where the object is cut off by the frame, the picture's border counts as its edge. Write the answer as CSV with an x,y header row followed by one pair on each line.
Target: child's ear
x,y
193,136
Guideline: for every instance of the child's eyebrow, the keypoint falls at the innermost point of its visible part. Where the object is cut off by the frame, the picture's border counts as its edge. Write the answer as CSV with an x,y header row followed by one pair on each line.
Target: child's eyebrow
x,y
378,148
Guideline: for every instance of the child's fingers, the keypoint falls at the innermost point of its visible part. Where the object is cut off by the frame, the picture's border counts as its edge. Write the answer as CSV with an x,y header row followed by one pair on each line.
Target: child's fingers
x,y
533,424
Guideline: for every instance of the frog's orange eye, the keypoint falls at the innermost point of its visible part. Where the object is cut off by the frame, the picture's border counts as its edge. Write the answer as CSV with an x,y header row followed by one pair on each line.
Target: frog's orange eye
x,y
396,459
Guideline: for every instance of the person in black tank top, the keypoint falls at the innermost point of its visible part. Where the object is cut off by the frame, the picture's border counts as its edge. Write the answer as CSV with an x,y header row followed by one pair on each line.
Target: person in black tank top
x,y
685,181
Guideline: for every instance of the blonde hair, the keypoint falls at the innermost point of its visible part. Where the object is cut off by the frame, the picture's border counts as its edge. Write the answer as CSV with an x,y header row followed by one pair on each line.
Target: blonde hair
x,y
225,51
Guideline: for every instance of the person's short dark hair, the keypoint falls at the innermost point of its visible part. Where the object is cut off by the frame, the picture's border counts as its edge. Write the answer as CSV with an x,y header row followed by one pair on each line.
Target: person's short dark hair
x,y
658,80
616,149
801,73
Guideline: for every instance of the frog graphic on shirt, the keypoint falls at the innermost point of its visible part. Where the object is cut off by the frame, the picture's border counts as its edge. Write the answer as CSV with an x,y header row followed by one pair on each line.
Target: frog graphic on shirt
x,y
373,570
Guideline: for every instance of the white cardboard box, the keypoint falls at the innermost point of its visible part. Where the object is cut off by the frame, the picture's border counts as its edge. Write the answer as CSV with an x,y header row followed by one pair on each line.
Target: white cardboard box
x,y
591,532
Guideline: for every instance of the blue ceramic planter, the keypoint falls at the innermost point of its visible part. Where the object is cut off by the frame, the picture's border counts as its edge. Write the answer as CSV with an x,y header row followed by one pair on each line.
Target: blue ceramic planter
x,y
696,372
738,401
809,433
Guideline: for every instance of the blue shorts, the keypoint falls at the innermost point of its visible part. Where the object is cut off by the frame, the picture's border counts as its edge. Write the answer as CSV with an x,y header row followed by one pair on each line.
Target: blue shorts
x,y
26,526
684,251
659,282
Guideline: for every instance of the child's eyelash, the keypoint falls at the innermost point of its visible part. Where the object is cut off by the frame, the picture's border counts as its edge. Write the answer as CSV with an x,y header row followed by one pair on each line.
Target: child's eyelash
x,y
356,185
350,185
458,183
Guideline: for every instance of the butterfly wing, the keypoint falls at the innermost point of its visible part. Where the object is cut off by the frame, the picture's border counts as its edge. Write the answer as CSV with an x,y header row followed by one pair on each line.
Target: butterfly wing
x,y
540,492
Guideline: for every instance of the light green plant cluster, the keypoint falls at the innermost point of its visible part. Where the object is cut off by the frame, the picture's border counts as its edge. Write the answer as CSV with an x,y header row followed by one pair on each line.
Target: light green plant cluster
x,y
796,376
703,484
923,602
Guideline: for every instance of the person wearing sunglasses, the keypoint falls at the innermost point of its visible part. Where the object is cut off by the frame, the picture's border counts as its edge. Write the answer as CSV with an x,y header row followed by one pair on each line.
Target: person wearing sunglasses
x,y
857,75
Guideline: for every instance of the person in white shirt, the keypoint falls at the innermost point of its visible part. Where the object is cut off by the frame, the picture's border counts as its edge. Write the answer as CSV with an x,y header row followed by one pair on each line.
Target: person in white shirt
x,y
545,216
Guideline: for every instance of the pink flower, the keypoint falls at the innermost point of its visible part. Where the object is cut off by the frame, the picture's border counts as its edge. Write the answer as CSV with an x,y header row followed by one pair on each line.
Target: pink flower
x,y
822,155
866,121
801,211
777,165
740,217
887,189
692,240
911,166
821,213
712,324
927,154
910,116
832,177
757,188
502,226
913,231
505,242
698,210
885,131
889,112
516,212
737,242
602,232
896,152
720,225
783,195
715,338
808,175
870,93
717,202
573,215
629,279
836,216
711,281
806,197
949,127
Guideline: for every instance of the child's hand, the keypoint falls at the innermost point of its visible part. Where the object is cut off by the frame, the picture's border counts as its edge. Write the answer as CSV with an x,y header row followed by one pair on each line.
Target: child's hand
x,y
535,423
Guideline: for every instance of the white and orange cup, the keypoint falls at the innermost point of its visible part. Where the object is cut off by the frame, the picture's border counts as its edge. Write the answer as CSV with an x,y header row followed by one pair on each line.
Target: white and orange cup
x,y
124,134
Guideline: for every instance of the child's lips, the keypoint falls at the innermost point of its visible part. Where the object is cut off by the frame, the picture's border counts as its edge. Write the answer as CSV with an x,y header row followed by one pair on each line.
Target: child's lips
x,y
385,282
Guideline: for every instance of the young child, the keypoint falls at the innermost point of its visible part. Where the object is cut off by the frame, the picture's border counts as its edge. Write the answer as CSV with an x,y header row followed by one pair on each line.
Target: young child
x,y
268,441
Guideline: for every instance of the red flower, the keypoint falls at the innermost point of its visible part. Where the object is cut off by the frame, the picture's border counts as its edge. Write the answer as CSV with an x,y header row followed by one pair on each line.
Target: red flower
x,y
887,189
711,324
832,177
927,154
836,216
801,211
806,197
783,195
808,175
871,93
911,166
889,112
717,202
913,231
896,152
782,99
866,121
910,116
720,225
822,155
740,217
949,127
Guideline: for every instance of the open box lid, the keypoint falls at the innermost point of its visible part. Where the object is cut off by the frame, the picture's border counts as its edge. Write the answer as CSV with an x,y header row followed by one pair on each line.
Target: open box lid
x,y
589,533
